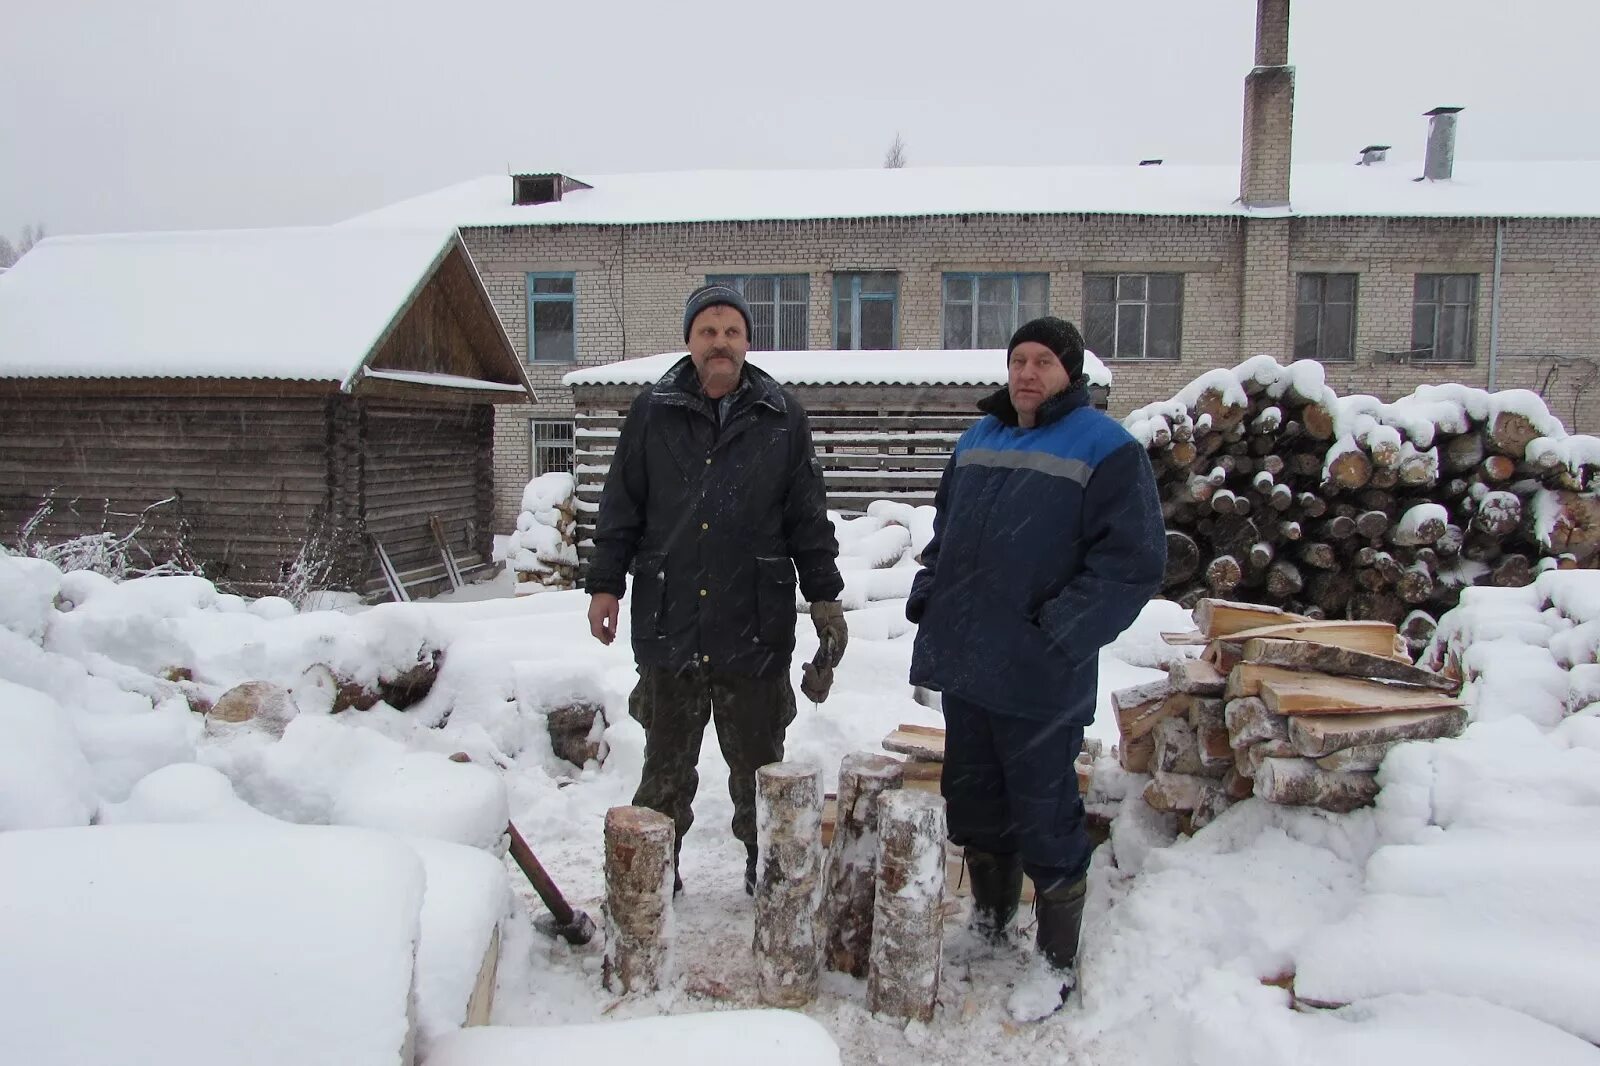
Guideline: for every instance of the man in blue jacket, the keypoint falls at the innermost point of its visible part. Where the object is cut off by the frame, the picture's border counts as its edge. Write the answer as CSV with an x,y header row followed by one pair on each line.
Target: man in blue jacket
x,y
1047,542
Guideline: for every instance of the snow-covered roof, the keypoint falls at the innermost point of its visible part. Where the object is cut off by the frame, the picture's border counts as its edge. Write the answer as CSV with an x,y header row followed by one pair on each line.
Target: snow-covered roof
x,y
304,304
980,366
1516,189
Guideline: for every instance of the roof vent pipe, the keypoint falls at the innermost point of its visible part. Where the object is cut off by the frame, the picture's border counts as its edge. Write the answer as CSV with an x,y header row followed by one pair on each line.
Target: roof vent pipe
x,y
1441,158
1373,153
1150,162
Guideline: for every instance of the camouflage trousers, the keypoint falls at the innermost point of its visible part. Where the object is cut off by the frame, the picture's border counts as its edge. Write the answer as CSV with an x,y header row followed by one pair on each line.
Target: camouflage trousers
x,y
751,716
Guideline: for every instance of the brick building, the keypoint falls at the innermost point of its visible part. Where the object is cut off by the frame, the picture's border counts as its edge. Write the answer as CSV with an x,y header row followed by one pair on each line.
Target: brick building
x,y
1482,273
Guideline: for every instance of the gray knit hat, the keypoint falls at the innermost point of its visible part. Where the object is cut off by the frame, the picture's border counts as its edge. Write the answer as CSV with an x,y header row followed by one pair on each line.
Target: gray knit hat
x,y
710,296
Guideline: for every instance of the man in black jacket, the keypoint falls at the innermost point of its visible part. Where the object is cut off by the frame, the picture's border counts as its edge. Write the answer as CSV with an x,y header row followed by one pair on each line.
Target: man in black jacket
x,y
716,498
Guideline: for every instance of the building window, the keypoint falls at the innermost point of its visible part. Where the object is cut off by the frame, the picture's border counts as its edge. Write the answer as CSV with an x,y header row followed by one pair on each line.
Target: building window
x,y
552,446
1325,317
779,306
1443,307
865,310
552,318
1133,316
984,310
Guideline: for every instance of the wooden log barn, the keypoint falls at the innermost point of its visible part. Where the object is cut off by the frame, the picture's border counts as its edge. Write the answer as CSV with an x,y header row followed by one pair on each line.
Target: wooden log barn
x,y
263,401
884,422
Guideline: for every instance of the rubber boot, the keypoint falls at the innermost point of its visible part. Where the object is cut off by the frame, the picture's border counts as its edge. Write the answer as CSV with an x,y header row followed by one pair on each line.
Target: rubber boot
x,y
996,892
750,854
677,853
1060,913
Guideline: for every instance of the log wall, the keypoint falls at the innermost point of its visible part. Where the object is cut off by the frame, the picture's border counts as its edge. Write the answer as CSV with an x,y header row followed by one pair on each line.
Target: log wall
x,y
245,473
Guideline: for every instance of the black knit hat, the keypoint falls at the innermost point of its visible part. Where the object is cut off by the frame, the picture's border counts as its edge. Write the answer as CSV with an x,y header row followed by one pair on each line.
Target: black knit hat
x,y
710,296
1057,334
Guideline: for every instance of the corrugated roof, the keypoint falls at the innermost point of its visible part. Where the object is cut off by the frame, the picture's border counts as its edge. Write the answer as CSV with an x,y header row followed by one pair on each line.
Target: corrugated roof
x,y
1515,189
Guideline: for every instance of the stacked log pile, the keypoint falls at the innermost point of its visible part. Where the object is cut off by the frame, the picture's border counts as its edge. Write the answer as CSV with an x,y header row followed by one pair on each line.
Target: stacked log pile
x,y
1280,706
1278,491
543,552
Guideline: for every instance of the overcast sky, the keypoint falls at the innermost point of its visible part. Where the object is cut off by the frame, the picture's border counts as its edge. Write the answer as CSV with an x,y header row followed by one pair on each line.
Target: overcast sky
x,y
163,114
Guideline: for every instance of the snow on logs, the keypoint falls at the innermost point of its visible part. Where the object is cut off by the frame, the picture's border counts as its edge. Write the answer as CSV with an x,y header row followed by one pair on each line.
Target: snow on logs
x,y
1291,710
908,913
788,883
1275,489
864,779
638,906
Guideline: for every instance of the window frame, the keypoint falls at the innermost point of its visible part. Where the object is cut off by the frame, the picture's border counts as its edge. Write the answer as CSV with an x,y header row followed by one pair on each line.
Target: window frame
x,y
974,278
1118,303
1323,277
1439,305
570,443
551,297
855,297
740,281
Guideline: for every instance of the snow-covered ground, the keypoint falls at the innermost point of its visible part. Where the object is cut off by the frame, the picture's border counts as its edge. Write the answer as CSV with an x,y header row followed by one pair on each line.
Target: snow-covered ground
x,y
1457,918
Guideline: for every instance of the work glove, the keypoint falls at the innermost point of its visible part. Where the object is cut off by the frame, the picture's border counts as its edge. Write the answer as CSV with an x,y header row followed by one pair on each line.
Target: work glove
x,y
815,681
832,634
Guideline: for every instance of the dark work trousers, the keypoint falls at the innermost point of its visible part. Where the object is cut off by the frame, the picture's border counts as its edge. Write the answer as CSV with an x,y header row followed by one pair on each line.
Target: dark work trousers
x,y
751,714
1010,787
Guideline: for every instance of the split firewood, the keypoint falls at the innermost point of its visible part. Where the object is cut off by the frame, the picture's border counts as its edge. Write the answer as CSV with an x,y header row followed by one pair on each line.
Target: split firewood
x,y
1196,677
1317,735
1321,694
1237,786
1256,754
1365,758
1374,638
919,742
1213,800
1177,750
1300,782
1172,792
1343,662
1249,722
1220,618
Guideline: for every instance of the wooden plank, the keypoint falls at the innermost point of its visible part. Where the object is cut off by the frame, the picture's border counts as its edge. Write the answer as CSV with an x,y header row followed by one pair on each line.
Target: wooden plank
x,y
1221,618
918,745
1343,662
1246,678
1374,638
1187,639
922,730
1321,694
1139,708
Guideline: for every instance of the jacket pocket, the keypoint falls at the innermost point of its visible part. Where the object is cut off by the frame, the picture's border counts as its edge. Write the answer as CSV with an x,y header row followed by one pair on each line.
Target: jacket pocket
x,y
775,613
649,594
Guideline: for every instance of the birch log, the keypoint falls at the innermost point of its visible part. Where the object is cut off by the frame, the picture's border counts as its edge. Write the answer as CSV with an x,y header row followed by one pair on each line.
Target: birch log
x,y
638,907
853,859
908,912
788,883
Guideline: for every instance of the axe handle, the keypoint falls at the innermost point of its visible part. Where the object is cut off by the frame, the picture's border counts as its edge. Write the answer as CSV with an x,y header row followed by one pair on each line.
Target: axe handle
x,y
548,892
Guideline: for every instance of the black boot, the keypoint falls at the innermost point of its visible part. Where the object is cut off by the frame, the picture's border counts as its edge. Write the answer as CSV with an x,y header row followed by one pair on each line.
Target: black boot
x,y
1060,912
996,891
677,881
750,854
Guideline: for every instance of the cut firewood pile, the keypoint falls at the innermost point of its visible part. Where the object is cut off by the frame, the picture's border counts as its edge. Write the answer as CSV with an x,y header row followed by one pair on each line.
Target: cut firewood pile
x,y
542,552
1291,709
1276,490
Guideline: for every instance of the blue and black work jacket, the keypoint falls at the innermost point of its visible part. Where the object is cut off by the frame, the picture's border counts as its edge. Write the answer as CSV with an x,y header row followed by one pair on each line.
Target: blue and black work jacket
x,y
1047,543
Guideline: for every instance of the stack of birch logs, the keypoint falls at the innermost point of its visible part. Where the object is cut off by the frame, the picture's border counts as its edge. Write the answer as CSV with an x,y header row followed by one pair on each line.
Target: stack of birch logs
x,y
1290,709
542,552
1278,491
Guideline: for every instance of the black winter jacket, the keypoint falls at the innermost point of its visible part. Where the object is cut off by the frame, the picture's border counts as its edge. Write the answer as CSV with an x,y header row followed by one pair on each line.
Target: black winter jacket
x,y
715,522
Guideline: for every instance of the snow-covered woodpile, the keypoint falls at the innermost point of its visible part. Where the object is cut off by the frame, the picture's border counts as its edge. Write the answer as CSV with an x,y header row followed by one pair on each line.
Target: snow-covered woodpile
x,y
543,551
1293,710
1279,491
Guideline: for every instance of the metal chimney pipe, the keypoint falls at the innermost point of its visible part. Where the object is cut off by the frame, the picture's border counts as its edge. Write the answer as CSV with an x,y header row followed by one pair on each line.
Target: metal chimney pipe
x,y
1441,159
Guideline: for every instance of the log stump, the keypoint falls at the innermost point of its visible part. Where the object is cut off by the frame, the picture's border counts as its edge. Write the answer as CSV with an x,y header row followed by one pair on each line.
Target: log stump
x,y
908,913
853,859
638,907
788,883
